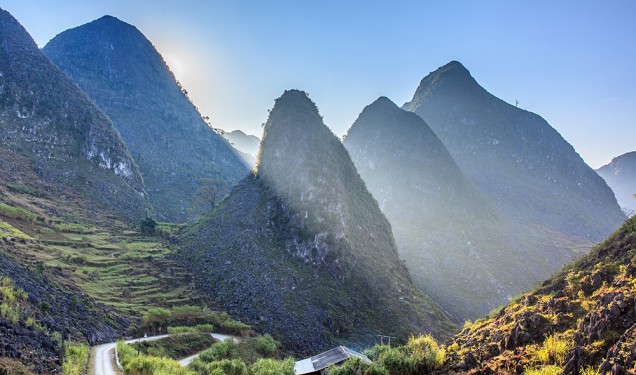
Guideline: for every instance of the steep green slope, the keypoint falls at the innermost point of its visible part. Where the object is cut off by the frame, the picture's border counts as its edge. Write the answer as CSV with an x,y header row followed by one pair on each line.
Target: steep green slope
x,y
582,318
123,73
301,249
453,239
51,133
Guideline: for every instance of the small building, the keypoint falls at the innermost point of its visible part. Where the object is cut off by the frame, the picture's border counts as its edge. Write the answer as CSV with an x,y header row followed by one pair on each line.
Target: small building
x,y
319,363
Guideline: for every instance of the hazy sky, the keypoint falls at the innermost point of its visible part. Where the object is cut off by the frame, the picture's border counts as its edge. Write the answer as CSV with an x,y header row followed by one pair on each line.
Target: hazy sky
x,y
572,62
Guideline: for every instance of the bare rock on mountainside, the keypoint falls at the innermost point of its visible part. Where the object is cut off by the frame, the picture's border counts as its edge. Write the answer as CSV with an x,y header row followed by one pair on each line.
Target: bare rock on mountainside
x,y
301,249
123,73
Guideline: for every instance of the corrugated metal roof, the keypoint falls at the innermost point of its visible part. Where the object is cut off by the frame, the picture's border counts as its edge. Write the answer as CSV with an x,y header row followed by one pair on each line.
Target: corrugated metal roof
x,y
326,359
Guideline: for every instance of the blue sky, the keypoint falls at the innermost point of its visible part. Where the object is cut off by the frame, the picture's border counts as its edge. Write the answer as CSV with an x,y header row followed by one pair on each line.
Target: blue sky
x,y
572,62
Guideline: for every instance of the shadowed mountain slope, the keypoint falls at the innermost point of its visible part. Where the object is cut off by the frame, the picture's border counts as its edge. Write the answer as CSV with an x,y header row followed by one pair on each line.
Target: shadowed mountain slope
x,y
451,236
123,73
301,249
52,135
515,157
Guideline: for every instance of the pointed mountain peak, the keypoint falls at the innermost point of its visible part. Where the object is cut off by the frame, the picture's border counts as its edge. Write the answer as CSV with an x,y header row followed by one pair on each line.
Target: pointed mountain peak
x,y
385,113
295,100
293,110
382,103
109,21
450,79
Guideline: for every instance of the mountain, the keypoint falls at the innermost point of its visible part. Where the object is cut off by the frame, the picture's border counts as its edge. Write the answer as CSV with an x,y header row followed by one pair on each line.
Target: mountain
x,y
301,249
246,143
520,162
580,319
620,175
54,138
452,237
177,152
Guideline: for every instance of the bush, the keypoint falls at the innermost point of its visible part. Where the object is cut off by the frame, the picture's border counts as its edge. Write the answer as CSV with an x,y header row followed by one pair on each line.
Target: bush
x,y
266,345
222,367
273,367
219,351
147,225
75,358
553,351
356,366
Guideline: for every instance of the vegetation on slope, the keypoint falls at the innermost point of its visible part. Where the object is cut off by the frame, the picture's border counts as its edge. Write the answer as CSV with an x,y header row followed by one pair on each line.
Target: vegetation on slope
x,y
580,319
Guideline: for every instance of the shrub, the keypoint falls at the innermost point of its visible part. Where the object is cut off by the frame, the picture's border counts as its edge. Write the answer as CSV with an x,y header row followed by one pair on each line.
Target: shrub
x,y
266,345
553,350
147,225
268,366
356,366
75,358
222,367
219,351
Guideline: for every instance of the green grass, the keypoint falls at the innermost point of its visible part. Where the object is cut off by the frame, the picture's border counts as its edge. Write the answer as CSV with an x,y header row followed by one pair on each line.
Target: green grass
x,y
75,358
7,230
16,213
177,346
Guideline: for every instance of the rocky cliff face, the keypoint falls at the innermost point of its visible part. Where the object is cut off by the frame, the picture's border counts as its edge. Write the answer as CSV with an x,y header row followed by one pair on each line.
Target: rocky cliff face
x,y
453,239
176,150
50,128
301,249
620,175
581,319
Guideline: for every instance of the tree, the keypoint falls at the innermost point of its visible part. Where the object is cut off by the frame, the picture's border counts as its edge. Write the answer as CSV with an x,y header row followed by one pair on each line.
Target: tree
x,y
209,190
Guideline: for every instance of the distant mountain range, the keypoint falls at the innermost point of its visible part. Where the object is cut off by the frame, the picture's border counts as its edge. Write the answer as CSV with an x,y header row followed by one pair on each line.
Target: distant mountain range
x,y
515,157
177,152
301,248
453,239
620,175
246,143
557,205
54,138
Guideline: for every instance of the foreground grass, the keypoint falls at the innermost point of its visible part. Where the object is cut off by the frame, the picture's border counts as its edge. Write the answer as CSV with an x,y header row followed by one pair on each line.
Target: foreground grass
x,y
75,359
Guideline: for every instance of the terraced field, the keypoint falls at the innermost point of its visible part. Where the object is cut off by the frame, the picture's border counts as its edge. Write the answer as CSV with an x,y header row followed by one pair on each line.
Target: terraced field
x,y
115,265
